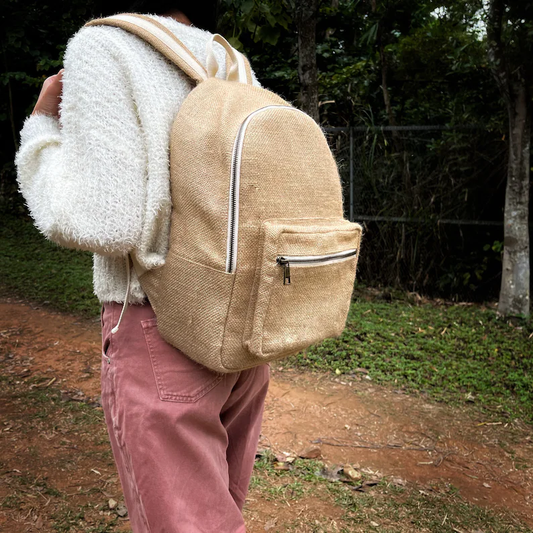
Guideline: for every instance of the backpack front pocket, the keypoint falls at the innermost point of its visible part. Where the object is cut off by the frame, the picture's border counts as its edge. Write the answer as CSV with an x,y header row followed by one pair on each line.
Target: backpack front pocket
x,y
303,285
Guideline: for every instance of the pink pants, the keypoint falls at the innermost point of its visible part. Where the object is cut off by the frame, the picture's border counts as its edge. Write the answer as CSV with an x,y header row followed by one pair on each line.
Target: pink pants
x,y
184,438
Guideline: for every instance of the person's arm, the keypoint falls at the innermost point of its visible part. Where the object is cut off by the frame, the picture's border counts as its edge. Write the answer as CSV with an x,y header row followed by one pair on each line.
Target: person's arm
x,y
83,175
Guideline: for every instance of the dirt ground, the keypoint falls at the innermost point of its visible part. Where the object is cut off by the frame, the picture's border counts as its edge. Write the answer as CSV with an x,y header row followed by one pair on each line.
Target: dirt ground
x,y
349,419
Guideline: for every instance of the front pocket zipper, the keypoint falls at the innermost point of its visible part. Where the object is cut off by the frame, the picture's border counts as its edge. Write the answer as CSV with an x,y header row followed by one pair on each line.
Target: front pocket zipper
x,y
310,260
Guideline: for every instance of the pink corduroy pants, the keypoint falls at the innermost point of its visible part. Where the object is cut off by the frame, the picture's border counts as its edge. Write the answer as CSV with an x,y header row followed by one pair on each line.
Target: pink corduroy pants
x,y
184,438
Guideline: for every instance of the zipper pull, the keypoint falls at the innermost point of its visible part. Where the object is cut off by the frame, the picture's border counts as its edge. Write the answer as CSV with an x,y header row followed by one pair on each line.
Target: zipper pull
x,y
286,270
286,274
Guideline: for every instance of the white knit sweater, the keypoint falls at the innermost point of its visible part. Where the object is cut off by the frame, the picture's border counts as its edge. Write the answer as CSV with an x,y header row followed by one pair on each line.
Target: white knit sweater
x,y
98,178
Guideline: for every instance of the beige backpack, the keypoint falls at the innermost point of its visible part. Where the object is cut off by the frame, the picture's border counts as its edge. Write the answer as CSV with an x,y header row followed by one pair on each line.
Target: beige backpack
x,y
261,261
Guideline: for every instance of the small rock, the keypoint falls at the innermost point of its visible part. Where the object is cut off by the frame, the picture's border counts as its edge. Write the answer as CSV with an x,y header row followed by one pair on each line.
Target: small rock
x,y
121,510
270,524
112,503
314,452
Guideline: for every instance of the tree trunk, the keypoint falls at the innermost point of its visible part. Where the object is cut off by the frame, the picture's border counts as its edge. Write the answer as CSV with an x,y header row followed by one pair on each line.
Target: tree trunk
x,y
306,12
514,292
513,85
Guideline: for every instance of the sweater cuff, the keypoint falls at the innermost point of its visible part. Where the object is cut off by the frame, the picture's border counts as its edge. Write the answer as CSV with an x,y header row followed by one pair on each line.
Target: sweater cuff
x,y
39,125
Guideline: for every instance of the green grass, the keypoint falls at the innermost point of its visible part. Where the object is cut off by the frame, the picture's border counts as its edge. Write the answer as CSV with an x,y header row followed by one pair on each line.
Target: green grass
x,y
399,509
385,507
34,268
453,352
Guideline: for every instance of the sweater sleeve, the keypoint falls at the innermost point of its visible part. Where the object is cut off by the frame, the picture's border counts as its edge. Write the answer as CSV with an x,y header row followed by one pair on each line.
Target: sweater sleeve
x,y
84,176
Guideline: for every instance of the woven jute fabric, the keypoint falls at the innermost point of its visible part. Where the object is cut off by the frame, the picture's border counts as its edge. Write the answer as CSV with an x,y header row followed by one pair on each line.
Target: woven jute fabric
x,y
233,315
289,203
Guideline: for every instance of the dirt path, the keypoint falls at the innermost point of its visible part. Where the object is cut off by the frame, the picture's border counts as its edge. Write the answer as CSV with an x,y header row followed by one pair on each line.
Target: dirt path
x,y
351,421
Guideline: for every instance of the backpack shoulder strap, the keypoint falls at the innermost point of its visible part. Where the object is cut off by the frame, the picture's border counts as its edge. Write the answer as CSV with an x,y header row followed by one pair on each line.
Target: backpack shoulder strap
x,y
160,37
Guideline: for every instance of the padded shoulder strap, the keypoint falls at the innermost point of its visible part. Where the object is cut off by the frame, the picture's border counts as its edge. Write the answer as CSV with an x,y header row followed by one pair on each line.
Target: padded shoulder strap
x,y
160,37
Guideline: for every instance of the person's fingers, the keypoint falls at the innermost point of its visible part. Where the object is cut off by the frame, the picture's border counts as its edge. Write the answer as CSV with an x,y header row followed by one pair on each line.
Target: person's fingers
x,y
45,84
55,87
51,81
50,96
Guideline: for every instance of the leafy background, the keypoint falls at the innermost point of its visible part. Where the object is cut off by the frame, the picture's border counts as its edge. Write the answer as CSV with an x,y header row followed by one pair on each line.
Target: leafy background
x,y
437,75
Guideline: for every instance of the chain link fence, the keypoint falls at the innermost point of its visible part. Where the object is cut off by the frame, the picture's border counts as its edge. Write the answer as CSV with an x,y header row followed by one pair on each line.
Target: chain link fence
x,y
431,202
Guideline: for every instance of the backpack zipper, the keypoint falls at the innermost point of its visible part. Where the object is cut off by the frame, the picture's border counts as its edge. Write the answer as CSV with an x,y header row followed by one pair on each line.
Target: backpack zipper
x,y
235,179
310,260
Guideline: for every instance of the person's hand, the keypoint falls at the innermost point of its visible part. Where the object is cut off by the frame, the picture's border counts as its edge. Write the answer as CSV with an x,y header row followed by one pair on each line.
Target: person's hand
x,y
50,96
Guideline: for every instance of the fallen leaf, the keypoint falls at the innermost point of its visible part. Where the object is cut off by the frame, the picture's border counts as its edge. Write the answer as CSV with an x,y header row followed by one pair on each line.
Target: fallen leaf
x,y
352,474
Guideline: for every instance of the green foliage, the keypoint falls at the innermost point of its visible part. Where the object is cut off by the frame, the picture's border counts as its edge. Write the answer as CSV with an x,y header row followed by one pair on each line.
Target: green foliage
x,y
440,175
386,507
437,73
454,353
262,21
35,268
33,40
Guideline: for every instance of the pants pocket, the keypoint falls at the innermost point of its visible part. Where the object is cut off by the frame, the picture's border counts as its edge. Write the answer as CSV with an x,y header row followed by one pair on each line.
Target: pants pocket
x,y
178,378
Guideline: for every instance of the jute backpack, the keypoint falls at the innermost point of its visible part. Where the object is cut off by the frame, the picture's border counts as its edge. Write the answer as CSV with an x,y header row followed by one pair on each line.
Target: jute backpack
x,y
261,261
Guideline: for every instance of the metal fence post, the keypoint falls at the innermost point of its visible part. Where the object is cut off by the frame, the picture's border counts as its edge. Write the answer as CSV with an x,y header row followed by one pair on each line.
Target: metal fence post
x,y
351,177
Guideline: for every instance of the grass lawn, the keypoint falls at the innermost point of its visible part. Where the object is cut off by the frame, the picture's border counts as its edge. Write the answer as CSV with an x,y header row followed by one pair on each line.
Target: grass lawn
x,y
454,353
369,504
39,270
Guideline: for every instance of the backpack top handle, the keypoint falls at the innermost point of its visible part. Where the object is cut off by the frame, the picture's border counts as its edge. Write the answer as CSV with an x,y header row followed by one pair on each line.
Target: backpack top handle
x,y
237,67
165,42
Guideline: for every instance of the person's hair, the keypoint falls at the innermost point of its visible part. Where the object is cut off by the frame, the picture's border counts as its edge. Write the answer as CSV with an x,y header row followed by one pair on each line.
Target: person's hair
x,y
202,13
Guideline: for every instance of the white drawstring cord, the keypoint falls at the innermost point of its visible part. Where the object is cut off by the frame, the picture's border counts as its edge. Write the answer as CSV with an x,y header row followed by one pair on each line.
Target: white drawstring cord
x,y
127,297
